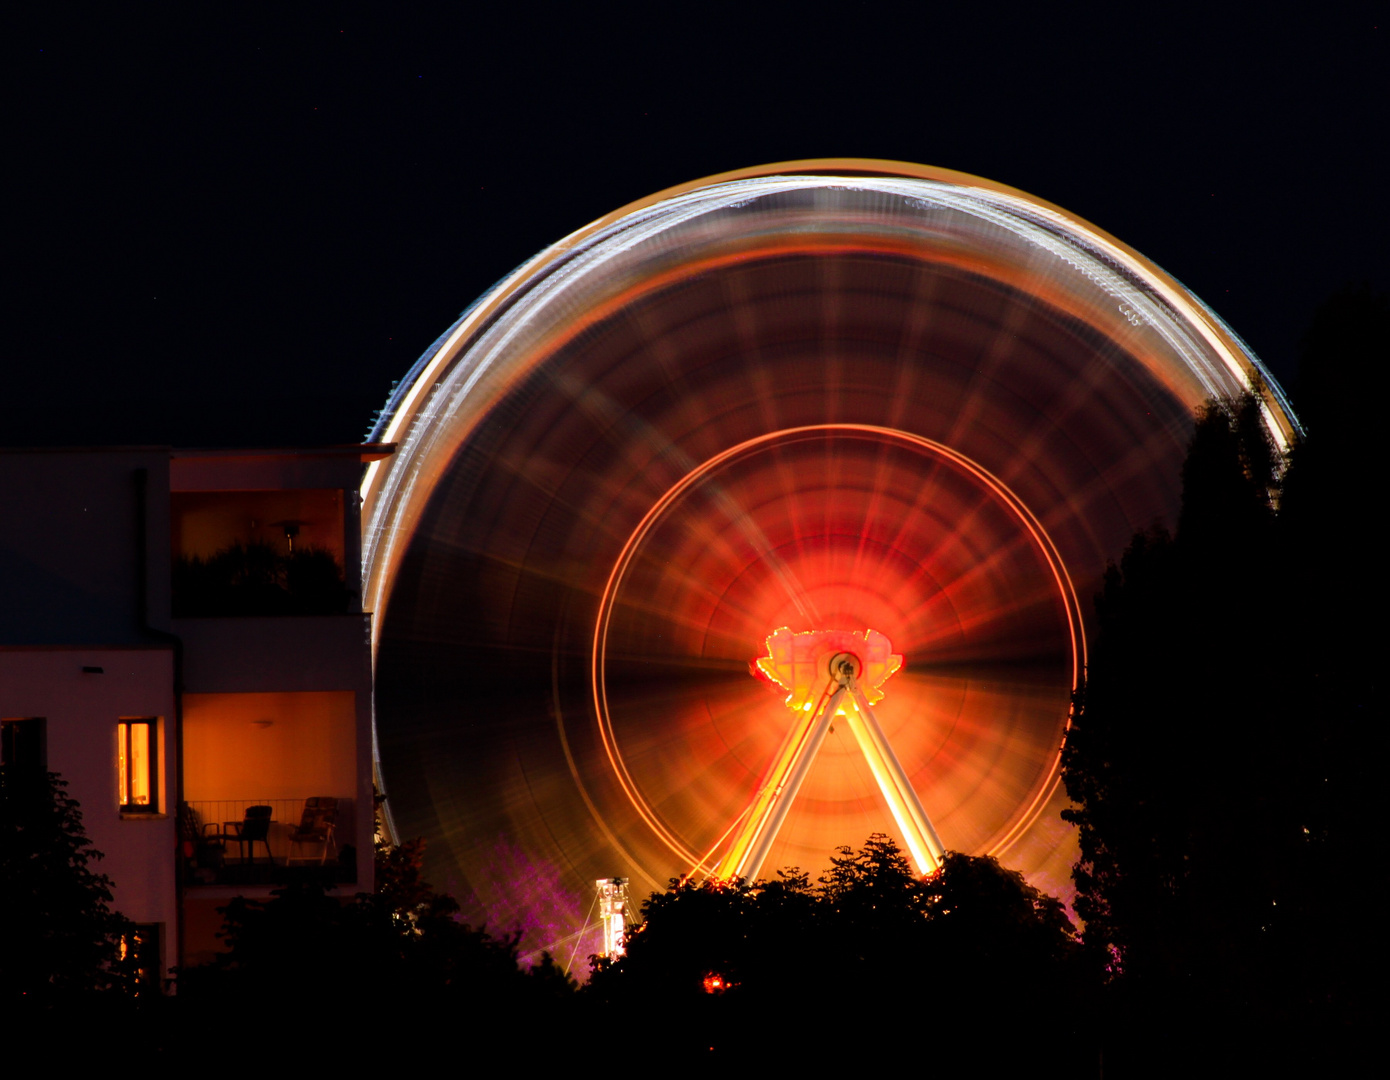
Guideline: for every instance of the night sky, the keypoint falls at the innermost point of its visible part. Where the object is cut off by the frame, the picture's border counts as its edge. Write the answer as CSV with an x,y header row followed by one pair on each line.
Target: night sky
x,y
237,227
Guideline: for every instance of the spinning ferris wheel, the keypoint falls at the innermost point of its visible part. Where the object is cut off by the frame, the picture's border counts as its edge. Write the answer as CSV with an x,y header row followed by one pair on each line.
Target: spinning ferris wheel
x,y
871,428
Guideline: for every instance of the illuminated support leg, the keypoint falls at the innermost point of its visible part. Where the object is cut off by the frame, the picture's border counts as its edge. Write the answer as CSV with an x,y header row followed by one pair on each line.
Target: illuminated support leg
x,y
793,761
917,831
783,780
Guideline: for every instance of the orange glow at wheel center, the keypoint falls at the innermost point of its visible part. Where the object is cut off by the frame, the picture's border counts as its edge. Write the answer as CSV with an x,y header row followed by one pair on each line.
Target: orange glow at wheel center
x,y
800,672
799,663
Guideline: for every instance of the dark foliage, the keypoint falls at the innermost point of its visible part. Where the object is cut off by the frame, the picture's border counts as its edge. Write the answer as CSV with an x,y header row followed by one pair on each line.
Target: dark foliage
x,y
62,949
256,579
1222,749
1169,755
926,969
398,958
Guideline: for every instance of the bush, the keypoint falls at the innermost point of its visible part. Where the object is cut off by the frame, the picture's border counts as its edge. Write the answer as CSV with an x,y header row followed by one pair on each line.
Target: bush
x,y
255,579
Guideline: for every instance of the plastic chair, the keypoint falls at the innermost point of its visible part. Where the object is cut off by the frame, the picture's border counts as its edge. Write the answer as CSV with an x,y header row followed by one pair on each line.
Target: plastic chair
x,y
315,827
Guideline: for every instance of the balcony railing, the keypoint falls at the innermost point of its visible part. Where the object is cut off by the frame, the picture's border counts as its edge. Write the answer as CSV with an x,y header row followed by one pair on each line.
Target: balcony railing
x,y
258,579
211,858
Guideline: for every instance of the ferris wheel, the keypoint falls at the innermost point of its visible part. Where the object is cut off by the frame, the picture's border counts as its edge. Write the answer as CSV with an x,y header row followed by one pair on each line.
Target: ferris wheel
x,y
762,515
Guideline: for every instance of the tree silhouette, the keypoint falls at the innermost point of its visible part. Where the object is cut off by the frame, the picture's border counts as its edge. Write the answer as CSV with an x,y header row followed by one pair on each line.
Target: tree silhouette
x,y
1218,755
64,942
1179,742
401,950
868,956
1330,928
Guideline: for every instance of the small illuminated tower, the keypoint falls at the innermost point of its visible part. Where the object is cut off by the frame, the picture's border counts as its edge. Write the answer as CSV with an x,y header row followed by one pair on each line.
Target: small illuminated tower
x,y
612,914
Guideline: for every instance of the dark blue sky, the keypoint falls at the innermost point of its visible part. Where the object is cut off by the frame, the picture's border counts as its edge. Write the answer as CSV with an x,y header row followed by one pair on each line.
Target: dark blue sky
x,y
234,228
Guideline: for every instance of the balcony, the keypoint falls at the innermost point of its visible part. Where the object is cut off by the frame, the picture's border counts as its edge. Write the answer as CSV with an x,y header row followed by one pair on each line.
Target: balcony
x,y
210,856
270,749
266,553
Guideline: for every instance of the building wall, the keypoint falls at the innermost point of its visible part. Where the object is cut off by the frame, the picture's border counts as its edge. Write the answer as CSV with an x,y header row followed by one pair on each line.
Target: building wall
x,y
84,554
269,745
81,711
86,562
289,652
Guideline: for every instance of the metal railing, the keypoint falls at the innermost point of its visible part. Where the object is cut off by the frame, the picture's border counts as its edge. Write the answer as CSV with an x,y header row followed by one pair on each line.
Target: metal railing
x,y
219,813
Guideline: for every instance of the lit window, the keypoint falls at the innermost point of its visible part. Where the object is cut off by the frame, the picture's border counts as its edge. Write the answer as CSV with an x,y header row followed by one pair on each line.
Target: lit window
x,y
139,953
136,765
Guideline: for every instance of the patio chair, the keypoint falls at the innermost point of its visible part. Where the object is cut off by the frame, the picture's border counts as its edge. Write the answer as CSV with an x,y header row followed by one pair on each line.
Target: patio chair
x,y
200,843
315,827
253,827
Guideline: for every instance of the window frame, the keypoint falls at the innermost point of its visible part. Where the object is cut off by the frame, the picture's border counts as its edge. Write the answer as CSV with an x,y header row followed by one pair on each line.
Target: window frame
x,y
24,744
143,945
126,758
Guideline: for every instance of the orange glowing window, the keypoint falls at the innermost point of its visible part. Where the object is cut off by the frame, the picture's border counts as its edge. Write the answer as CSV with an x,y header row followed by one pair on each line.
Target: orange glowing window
x,y
136,763
139,953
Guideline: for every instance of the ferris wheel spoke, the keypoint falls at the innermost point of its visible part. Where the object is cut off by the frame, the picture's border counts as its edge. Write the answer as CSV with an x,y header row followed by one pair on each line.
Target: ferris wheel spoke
x,y
914,826
777,791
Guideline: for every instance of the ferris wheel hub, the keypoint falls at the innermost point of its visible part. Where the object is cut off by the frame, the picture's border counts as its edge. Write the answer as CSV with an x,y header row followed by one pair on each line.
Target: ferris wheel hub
x,y
800,662
845,668
821,669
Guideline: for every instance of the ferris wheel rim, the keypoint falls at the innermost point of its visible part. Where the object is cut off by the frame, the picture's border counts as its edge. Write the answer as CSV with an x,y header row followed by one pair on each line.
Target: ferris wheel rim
x,y
398,421
1021,821
394,491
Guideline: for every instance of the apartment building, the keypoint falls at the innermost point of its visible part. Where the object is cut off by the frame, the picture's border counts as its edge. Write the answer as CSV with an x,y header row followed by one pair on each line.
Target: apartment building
x,y
182,639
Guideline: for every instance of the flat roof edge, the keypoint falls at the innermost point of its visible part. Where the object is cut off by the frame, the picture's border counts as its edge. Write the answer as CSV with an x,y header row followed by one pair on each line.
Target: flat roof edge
x,y
363,451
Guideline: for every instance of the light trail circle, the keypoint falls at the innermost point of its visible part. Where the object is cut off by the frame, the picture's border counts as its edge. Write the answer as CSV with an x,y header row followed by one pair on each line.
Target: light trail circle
x,y
1041,787
539,432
